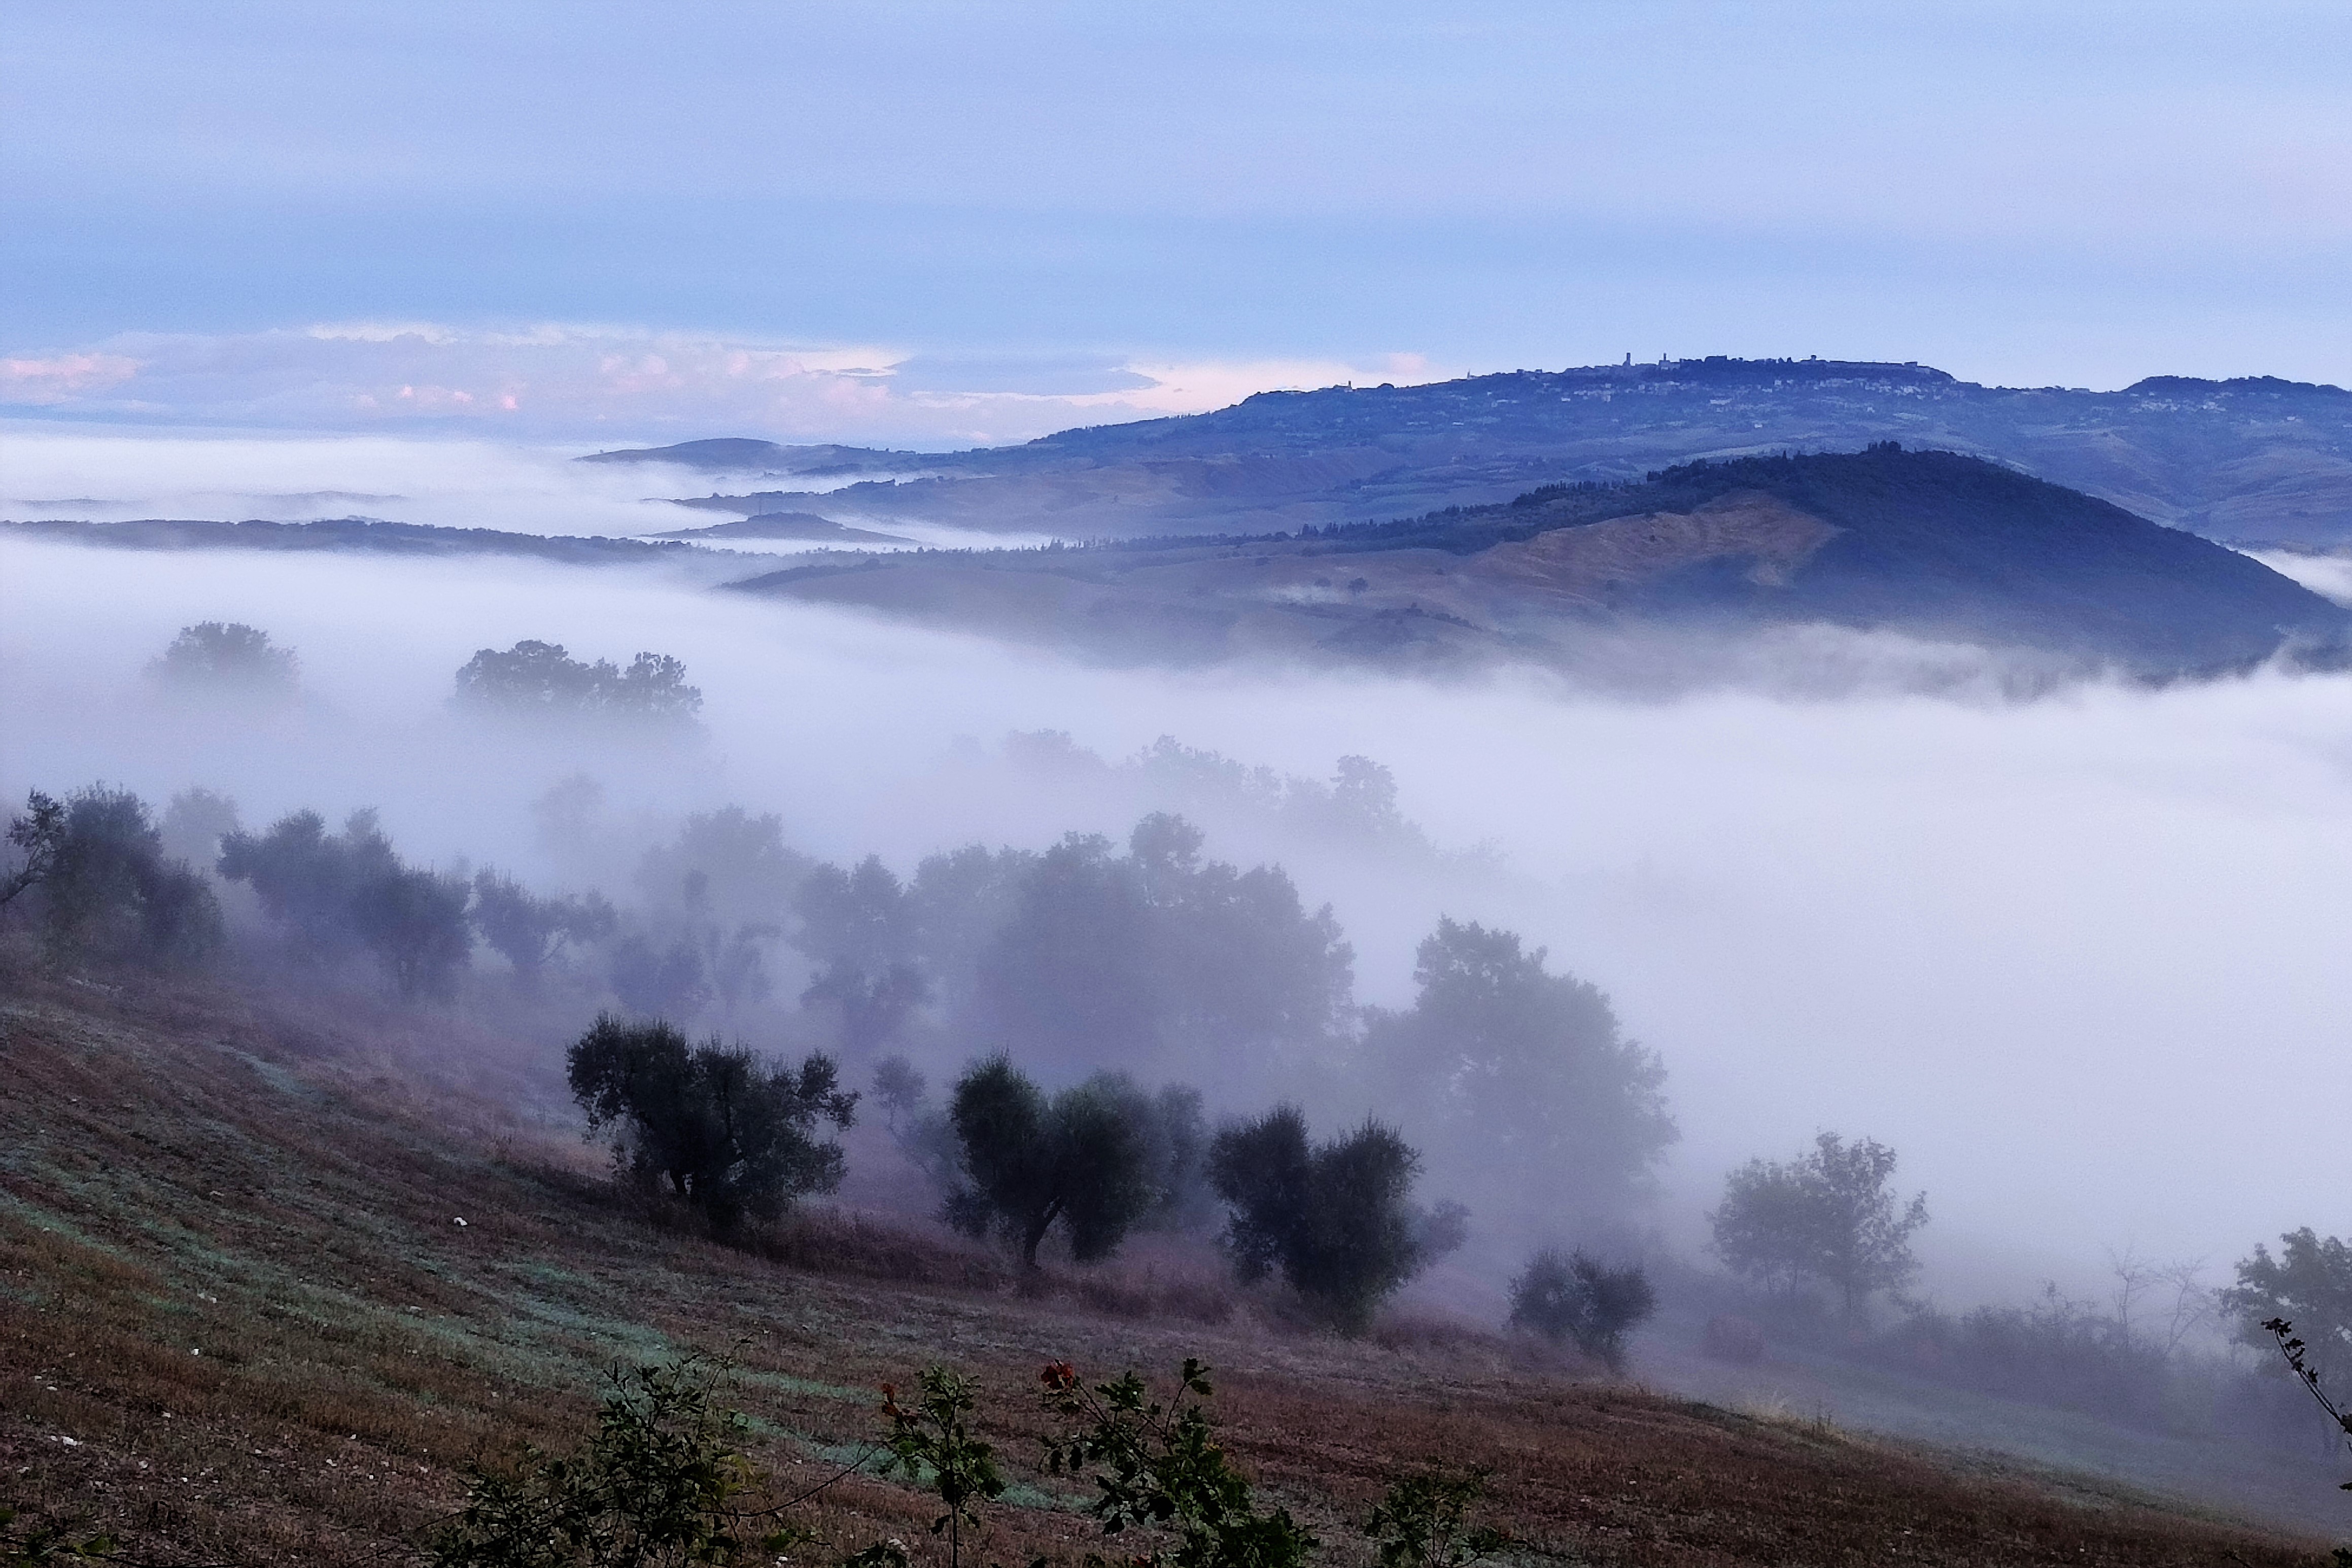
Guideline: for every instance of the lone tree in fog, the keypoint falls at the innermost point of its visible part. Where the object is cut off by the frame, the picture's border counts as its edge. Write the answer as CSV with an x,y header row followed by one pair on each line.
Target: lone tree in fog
x,y
2310,1285
542,679
1080,1159
859,927
1827,1216
225,658
1515,1068
901,1087
730,1135
1335,1219
1574,1297
528,930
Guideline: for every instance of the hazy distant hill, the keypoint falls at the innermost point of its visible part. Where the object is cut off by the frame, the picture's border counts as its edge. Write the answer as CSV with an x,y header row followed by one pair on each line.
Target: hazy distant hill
x,y
1931,544
2257,460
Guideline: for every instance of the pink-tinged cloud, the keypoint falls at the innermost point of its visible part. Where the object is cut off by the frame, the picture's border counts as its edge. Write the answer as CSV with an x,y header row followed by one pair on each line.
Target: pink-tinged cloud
x,y
618,386
62,378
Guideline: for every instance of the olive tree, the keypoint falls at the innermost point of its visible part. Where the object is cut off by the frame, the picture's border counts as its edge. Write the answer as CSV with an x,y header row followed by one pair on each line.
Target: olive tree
x,y
1575,1297
102,887
732,1135
337,895
1030,1161
1335,1219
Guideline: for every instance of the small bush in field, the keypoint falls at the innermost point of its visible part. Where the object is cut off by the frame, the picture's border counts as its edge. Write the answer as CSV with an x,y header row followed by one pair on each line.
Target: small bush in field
x,y
1160,1467
1576,1297
934,1441
662,1482
1423,1522
730,1135
28,1544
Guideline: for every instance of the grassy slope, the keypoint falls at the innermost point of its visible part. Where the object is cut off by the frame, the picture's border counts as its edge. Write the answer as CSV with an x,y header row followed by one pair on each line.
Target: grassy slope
x,y
274,1186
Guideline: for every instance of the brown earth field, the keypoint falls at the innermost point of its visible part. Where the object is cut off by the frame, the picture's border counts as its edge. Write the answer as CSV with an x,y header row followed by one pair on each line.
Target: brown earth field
x,y
239,1323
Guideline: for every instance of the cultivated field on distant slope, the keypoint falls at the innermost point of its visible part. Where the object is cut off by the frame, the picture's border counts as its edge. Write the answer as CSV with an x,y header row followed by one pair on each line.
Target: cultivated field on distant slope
x,y
242,1324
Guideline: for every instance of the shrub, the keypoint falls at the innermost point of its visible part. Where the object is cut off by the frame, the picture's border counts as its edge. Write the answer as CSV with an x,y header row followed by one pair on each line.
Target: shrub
x,y
1576,1297
1423,1521
1336,1217
664,1480
1159,1467
730,1136
934,1443
1079,1159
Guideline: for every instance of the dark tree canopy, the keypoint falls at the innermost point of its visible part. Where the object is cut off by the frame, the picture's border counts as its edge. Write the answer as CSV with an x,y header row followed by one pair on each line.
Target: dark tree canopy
x,y
541,679
1335,1219
1527,1067
1827,1215
337,895
1577,1298
1079,1159
733,1135
102,887
225,658
2309,1283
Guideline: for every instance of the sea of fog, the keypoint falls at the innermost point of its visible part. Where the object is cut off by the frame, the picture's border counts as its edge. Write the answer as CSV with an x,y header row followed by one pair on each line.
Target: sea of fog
x,y
2084,959
109,474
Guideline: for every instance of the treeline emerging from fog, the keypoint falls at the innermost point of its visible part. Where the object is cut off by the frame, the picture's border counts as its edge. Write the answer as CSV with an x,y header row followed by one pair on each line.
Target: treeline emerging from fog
x,y
1150,959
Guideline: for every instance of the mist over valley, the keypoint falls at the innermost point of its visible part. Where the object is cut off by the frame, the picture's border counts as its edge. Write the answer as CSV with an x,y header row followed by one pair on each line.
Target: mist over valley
x,y
855,787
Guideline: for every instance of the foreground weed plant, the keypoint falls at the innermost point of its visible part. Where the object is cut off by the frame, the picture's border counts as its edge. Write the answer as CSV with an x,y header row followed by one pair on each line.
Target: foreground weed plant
x,y
24,1545
662,1483
1158,1466
933,1444
1422,1523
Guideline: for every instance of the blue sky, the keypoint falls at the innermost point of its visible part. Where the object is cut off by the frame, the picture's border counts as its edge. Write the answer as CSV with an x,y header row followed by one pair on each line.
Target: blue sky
x,y
968,221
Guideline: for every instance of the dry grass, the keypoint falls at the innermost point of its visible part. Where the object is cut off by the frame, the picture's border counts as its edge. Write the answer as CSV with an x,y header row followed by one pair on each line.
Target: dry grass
x,y
238,1321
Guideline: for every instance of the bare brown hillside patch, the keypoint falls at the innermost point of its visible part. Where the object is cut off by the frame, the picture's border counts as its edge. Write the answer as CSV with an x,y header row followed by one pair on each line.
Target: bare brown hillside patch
x,y
241,1323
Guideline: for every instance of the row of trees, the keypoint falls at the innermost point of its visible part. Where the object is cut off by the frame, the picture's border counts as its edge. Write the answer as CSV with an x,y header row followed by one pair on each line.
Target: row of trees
x,y
1333,1218
217,661
1523,1089
538,680
102,885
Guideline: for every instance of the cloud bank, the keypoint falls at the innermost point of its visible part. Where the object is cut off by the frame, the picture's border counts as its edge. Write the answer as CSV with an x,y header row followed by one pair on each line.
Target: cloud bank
x,y
618,386
2075,957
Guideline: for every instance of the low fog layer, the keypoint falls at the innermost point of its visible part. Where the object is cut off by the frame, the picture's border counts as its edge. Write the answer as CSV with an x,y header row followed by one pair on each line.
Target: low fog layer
x,y
2081,960
109,476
